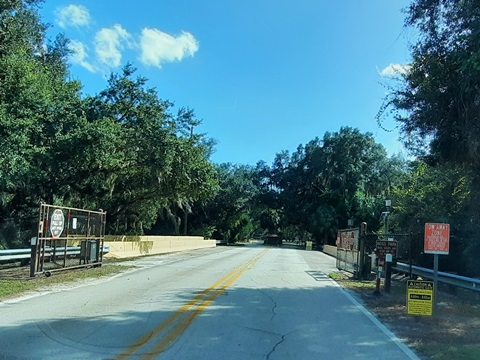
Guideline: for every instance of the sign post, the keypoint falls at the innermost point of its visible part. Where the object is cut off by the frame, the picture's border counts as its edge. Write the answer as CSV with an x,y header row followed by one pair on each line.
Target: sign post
x,y
436,242
382,249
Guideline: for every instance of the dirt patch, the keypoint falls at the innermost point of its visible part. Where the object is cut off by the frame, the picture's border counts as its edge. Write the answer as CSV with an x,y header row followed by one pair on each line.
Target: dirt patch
x,y
452,333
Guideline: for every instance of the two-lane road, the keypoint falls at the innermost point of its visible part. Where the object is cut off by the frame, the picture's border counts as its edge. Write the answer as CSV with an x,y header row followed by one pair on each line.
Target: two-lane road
x,y
250,302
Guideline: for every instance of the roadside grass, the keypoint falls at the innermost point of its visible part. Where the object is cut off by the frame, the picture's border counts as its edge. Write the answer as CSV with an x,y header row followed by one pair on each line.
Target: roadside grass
x,y
452,333
14,287
347,281
10,288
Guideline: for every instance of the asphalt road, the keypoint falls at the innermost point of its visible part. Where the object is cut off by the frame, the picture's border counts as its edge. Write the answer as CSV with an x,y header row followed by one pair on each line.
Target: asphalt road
x,y
249,302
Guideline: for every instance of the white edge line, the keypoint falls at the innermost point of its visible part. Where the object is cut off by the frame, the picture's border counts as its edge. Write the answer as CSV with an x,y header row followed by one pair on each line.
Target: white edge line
x,y
409,352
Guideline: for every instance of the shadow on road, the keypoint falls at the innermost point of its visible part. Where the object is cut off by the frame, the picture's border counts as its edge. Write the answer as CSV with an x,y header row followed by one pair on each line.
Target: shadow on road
x,y
314,322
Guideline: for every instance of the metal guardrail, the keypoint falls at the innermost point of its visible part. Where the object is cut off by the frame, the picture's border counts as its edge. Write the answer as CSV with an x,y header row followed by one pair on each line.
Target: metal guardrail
x,y
12,255
451,279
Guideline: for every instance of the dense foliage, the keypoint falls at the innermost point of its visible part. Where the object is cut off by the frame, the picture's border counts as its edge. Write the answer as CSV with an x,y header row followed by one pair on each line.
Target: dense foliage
x,y
437,106
322,185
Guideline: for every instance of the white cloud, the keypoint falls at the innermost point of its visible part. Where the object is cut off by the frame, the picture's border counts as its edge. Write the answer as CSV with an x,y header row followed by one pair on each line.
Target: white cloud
x,y
395,69
79,55
72,15
109,42
158,47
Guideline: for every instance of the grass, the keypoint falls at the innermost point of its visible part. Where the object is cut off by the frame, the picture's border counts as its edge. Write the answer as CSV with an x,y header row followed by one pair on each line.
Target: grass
x,y
347,281
337,276
14,287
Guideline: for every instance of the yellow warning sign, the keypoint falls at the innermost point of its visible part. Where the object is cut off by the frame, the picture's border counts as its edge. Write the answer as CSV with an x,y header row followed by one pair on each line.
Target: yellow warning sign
x,y
420,297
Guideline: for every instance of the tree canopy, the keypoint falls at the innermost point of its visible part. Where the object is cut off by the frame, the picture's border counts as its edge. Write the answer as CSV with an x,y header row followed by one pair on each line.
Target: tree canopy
x,y
436,102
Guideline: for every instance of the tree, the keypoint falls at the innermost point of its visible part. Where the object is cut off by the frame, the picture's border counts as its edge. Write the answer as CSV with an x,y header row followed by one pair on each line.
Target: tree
x,y
156,161
441,194
436,103
38,107
334,179
228,215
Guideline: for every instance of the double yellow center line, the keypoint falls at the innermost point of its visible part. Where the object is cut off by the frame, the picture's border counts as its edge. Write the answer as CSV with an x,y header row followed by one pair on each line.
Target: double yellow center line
x,y
182,318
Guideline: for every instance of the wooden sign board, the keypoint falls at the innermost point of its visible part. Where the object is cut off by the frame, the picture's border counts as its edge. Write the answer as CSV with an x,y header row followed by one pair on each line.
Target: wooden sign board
x,y
385,247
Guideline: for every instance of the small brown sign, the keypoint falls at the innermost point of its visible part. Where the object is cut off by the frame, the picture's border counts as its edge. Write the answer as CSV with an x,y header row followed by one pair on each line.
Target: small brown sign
x,y
386,247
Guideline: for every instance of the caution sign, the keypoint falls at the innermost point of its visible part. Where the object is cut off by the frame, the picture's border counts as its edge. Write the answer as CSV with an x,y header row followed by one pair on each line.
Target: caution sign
x,y
420,297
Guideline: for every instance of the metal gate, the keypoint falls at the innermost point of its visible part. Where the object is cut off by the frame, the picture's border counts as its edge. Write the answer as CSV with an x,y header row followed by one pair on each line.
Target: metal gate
x,y
348,250
357,253
404,245
67,238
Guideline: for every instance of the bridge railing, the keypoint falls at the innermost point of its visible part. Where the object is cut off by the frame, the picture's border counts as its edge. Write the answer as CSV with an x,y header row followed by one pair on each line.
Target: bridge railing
x,y
12,255
451,279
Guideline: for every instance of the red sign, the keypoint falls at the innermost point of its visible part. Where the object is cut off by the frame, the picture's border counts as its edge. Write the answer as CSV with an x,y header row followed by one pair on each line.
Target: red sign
x,y
348,239
437,238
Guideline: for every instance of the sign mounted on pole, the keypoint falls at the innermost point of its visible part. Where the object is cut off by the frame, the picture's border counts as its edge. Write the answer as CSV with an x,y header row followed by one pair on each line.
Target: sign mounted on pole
x,y
420,297
437,238
382,248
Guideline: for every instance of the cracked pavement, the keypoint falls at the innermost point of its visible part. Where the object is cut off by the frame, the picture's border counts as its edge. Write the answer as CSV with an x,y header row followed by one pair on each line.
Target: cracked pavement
x,y
281,306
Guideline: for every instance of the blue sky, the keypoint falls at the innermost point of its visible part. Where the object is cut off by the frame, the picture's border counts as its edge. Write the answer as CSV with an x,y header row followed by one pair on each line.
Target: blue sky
x,y
263,75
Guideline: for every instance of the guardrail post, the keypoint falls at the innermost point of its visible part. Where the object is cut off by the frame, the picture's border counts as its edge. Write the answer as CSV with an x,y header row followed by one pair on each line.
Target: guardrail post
x,y
33,255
